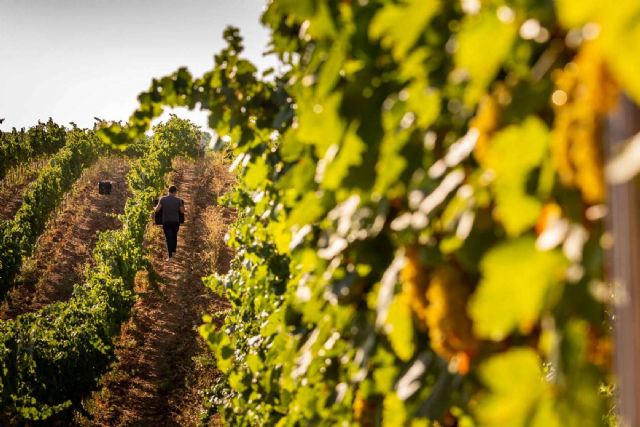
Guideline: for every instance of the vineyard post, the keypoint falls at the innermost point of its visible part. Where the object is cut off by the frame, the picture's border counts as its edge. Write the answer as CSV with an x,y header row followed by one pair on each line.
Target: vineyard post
x,y
624,268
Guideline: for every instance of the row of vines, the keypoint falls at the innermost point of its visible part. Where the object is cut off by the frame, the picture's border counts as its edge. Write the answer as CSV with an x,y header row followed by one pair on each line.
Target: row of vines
x,y
20,146
420,232
18,236
51,358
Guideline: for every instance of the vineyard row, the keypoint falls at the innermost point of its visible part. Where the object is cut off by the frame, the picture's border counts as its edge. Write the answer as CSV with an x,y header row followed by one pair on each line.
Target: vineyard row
x,y
19,146
67,345
18,236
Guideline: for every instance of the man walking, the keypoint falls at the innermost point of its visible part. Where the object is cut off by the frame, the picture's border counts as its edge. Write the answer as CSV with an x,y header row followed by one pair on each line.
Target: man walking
x,y
171,207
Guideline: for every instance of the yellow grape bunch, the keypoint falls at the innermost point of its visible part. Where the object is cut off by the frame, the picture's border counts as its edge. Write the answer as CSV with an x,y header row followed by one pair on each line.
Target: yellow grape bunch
x,y
584,93
439,298
486,121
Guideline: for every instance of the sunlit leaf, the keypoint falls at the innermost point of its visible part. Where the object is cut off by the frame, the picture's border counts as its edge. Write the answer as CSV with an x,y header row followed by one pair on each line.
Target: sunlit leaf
x,y
516,282
573,13
515,390
394,412
425,103
308,211
256,174
320,122
349,154
399,26
512,155
399,327
478,32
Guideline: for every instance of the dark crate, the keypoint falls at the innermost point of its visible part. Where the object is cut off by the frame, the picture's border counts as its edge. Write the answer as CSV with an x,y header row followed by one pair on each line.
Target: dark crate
x,y
105,187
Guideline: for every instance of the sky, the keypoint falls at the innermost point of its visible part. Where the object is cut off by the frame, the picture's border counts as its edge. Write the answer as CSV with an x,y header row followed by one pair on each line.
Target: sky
x,y
74,60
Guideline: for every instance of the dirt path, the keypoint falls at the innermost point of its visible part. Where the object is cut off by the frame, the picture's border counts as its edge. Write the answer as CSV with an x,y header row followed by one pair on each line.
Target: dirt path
x,y
11,189
65,247
149,384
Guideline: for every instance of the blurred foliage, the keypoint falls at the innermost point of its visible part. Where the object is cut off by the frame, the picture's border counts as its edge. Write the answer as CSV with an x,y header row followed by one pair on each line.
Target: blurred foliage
x,y
420,211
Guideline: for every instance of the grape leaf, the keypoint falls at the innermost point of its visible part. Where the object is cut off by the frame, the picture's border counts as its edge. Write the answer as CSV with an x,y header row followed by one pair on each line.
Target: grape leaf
x,y
399,26
349,154
512,155
478,32
394,412
509,403
399,328
516,279
256,174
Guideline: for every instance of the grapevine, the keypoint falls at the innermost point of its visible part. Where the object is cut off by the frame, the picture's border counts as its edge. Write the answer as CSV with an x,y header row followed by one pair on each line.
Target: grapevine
x,y
412,244
19,146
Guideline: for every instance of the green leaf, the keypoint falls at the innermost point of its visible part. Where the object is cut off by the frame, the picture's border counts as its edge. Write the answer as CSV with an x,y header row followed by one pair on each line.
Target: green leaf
x,y
394,411
301,8
254,362
477,33
220,343
412,68
257,174
399,328
391,163
309,210
512,155
282,235
515,387
582,405
516,281
425,102
322,24
236,381
319,121
399,26
337,168
331,68
385,372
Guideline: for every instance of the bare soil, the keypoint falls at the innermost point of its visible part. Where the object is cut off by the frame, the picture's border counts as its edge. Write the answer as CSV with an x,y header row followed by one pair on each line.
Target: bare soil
x,y
14,184
65,247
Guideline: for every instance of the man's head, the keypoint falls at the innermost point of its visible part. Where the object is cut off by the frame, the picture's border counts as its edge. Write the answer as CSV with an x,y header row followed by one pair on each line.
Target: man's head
x,y
173,189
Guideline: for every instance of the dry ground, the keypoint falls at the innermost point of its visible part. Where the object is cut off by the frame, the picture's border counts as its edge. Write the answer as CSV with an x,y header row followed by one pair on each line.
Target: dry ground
x,y
13,185
65,247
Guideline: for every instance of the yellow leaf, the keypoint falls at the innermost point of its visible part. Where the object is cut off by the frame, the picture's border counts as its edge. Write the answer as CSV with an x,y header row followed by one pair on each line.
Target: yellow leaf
x,y
621,44
573,13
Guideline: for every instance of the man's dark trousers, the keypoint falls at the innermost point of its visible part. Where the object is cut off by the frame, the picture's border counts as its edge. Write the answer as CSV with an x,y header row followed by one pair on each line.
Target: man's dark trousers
x,y
171,234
